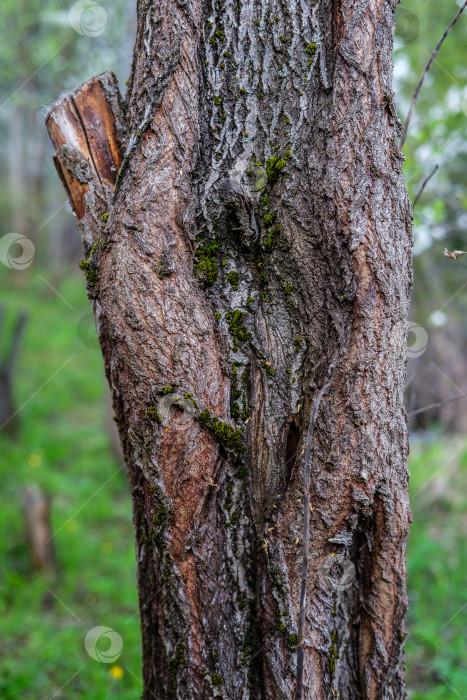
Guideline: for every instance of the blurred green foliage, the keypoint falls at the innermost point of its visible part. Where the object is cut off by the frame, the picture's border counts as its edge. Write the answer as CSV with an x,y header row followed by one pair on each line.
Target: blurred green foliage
x,y
437,561
436,136
64,448
41,54
47,48
437,548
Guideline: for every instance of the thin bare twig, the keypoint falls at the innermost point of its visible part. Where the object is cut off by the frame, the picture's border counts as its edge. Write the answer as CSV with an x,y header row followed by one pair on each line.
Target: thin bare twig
x,y
306,532
424,184
436,405
427,68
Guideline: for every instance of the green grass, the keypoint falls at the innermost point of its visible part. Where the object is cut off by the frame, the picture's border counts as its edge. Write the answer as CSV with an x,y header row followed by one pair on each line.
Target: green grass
x,y
437,565
62,425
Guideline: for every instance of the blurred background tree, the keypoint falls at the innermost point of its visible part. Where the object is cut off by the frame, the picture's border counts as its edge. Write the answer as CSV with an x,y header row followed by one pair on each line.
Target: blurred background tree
x,y
64,443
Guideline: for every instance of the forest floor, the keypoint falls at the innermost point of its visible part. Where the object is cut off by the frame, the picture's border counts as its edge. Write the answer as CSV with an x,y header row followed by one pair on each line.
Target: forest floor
x,y
64,447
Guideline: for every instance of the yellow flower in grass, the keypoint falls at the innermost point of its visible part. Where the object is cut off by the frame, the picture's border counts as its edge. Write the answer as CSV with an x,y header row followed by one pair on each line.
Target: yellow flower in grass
x,y
34,460
117,672
71,525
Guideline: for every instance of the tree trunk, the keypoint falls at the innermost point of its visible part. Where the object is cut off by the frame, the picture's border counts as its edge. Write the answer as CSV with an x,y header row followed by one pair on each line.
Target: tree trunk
x,y
259,232
36,511
10,343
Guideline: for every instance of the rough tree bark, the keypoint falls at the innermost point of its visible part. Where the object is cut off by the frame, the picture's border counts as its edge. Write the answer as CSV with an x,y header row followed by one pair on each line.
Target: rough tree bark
x,y
259,232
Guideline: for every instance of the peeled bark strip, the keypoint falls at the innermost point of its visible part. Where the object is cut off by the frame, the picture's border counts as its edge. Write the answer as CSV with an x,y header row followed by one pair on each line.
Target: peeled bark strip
x,y
260,232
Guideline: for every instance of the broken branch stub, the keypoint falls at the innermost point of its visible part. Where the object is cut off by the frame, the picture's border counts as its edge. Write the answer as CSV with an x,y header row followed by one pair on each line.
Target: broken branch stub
x,y
86,129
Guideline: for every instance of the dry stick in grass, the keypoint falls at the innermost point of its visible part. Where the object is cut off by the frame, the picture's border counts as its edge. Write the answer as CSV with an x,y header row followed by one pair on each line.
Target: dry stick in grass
x,y
436,405
424,184
427,68
306,532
